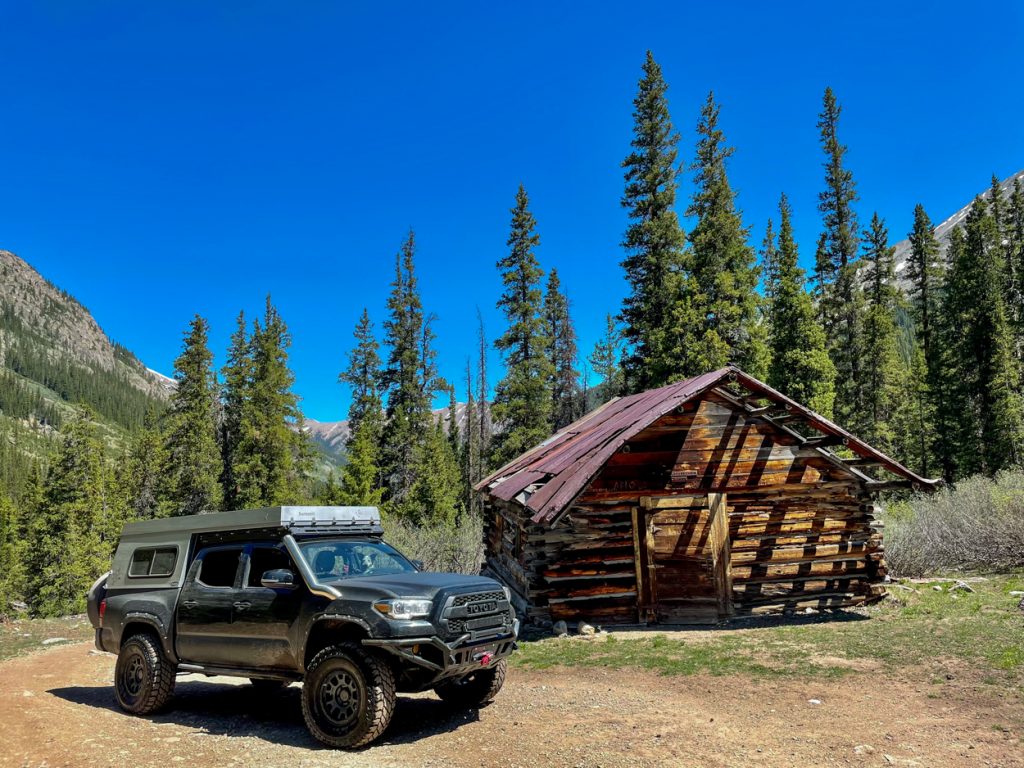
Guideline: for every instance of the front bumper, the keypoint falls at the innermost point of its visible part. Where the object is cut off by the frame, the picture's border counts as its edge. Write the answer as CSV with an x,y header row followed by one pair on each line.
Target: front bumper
x,y
450,659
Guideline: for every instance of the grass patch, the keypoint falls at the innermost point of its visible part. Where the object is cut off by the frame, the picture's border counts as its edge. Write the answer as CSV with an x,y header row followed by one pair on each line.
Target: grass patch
x,y
21,636
983,630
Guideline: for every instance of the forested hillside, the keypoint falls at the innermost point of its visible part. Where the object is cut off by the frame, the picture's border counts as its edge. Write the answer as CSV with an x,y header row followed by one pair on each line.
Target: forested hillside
x,y
54,357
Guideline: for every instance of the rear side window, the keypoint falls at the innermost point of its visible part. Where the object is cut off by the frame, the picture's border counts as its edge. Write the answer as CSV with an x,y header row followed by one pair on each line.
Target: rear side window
x,y
218,567
153,561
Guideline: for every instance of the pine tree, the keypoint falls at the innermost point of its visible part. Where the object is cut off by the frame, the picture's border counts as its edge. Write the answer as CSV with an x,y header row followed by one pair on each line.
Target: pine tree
x,y
886,381
485,421
1014,234
272,456
606,361
562,354
363,375
980,418
654,240
925,271
769,263
145,484
236,390
717,322
193,461
522,400
410,379
437,490
841,301
67,549
360,477
800,365
11,566
469,458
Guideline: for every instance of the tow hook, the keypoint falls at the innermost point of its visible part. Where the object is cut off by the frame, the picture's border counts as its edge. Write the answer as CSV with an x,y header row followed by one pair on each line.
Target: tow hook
x,y
484,658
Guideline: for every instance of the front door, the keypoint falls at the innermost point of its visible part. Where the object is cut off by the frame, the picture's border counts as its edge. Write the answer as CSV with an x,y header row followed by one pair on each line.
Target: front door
x,y
686,551
261,627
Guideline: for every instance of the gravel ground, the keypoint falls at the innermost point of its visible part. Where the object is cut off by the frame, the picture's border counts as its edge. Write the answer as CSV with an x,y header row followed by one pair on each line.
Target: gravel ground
x,y
57,709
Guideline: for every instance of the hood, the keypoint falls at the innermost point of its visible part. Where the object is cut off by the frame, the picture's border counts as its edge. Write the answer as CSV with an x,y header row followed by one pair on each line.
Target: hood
x,y
421,584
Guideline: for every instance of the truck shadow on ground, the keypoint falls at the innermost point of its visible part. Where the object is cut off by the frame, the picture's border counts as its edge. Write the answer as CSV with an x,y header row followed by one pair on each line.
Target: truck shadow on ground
x,y
242,711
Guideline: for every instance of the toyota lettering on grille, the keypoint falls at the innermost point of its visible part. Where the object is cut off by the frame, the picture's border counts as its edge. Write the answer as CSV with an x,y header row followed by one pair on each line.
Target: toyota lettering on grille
x,y
476,608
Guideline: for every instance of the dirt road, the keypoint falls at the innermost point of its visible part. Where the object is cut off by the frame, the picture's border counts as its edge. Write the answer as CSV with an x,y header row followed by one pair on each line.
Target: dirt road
x,y
57,709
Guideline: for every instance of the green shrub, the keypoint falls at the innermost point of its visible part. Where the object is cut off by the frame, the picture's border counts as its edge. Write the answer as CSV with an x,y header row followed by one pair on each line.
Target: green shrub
x,y
457,548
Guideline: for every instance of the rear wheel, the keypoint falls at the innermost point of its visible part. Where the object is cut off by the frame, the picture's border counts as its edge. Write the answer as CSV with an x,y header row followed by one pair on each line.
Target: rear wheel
x,y
143,677
476,688
348,696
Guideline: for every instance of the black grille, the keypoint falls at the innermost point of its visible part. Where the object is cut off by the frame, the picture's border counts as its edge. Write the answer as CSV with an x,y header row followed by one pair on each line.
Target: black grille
x,y
476,597
478,614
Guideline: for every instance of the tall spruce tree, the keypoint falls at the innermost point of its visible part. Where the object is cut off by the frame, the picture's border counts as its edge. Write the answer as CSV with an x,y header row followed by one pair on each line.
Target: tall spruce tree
x,y
522,399
235,391
841,301
469,458
566,398
485,421
1014,234
926,273
193,467
360,477
654,241
717,321
70,531
410,379
272,456
886,395
606,362
437,491
800,365
980,417
146,487
363,375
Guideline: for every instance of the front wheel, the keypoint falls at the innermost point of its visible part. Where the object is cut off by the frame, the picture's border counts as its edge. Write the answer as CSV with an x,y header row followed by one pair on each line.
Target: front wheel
x,y
476,688
143,677
348,696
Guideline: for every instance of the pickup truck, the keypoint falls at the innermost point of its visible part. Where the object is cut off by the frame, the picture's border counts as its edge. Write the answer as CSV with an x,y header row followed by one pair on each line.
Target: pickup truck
x,y
297,594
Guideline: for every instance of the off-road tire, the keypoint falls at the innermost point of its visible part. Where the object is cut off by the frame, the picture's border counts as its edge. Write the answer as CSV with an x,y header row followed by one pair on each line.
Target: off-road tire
x,y
348,696
268,685
143,676
476,688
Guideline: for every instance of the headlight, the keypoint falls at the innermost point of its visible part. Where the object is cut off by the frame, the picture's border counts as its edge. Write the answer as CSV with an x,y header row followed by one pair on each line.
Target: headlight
x,y
508,593
404,609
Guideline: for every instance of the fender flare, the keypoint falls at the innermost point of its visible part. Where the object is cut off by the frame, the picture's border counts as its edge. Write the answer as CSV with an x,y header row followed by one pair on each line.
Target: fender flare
x,y
343,617
152,620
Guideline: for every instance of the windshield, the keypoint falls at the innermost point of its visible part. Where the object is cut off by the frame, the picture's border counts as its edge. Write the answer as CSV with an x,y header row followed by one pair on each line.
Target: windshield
x,y
332,559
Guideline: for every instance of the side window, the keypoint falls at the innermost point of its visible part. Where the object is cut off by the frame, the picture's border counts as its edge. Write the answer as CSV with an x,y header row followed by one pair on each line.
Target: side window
x,y
219,567
263,559
149,562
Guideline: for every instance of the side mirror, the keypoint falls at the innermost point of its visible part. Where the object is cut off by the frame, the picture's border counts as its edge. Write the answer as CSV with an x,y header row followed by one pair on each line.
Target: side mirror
x,y
417,564
279,578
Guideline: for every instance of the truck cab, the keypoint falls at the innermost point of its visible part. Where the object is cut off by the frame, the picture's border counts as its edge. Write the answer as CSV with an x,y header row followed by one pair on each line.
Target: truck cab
x,y
297,594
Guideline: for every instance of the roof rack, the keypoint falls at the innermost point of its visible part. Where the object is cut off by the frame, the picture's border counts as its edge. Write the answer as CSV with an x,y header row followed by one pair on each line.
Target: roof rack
x,y
298,521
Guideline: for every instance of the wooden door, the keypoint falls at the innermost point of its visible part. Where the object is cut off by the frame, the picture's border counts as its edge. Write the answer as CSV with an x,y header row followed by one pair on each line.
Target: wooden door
x,y
687,557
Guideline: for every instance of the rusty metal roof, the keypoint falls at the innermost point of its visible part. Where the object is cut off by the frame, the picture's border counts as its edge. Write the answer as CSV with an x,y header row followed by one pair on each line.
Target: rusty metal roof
x,y
549,477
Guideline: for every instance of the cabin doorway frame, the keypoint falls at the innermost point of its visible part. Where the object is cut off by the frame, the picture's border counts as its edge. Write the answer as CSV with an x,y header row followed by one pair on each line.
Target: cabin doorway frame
x,y
715,543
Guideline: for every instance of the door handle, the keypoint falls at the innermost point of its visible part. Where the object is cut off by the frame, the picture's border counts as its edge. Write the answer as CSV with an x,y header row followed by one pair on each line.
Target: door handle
x,y
242,606
190,604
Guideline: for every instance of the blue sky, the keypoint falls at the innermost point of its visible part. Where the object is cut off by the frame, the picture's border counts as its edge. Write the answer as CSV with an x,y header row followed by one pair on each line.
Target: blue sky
x,y
162,159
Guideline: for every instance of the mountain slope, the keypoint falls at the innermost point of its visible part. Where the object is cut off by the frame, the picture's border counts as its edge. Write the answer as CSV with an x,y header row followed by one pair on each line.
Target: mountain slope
x,y
942,231
53,356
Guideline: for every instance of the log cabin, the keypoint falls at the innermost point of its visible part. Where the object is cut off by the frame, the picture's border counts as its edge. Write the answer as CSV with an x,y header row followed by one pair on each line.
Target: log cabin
x,y
707,499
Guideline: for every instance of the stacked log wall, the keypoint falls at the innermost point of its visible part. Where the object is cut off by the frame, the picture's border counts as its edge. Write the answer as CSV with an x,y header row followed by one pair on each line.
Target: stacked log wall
x,y
801,529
